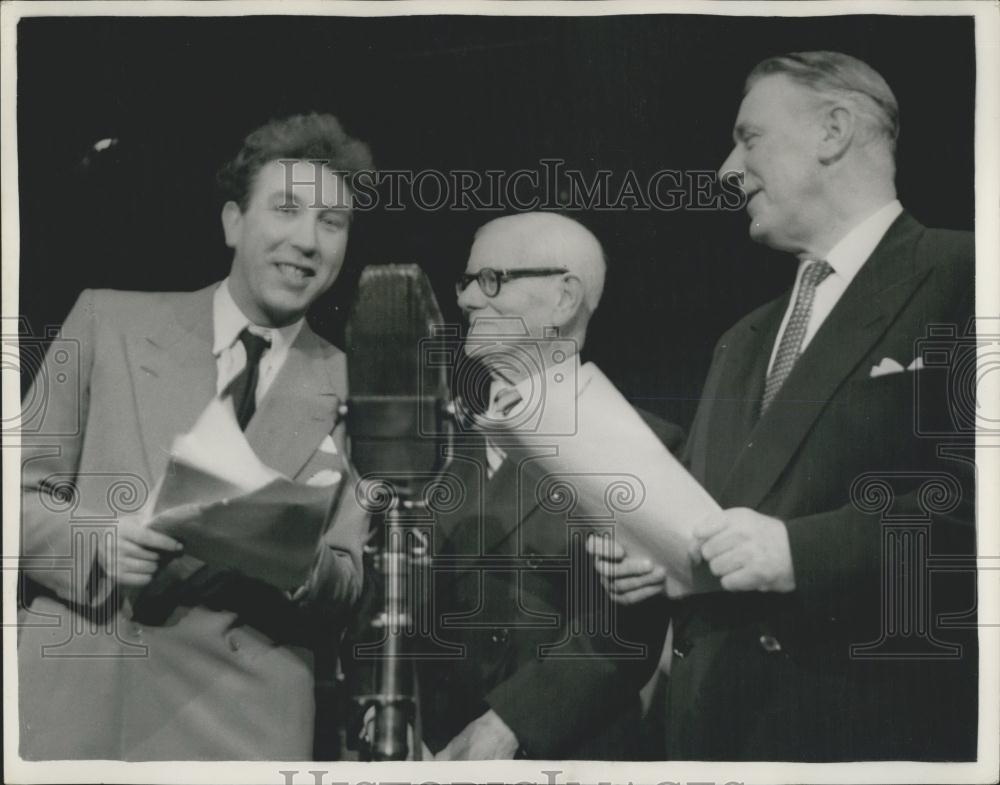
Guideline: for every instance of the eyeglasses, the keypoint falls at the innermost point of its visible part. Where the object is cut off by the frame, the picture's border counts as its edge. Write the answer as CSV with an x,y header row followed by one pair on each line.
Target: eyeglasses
x,y
490,280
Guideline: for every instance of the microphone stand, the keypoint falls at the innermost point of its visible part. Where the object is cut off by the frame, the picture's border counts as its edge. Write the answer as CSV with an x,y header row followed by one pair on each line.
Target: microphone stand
x,y
397,561
395,700
400,422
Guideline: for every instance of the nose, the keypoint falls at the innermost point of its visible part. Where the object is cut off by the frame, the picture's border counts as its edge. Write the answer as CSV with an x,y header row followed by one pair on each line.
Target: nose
x,y
471,297
303,236
733,163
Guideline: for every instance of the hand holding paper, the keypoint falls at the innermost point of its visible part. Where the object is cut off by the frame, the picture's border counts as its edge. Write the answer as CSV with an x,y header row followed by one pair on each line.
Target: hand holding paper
x,y
232,511
746,550
620,473
628,579
138,551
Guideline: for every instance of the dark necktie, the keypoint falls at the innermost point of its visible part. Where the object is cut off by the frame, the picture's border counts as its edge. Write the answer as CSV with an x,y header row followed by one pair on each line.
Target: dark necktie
x,y
503,402
243,388
791,340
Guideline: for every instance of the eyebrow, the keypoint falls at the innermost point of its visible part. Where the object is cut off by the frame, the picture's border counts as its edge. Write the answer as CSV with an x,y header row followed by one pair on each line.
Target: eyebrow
x,y
286,197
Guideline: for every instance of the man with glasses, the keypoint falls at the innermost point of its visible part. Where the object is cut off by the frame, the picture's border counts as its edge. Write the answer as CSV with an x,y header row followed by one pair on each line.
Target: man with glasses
x,y
830,640
535,669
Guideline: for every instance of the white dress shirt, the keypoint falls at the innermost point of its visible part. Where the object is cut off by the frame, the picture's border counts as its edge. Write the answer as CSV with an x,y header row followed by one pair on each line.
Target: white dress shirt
x,y
230,356
846,258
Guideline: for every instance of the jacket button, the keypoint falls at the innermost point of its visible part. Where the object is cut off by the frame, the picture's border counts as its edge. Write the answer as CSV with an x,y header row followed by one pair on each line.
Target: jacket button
x,y
534,563
499,635
682,648
770,644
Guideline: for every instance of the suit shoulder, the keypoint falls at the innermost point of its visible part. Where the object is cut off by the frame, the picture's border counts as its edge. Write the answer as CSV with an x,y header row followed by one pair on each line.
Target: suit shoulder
x,y
327,351
127,306
951,256
947,247
110,309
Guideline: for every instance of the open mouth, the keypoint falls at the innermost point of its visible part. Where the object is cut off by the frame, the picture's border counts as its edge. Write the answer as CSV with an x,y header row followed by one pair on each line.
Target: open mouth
x,y
295,273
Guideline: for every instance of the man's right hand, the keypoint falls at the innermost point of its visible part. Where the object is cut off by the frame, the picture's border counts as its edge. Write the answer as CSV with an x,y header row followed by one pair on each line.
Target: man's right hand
x,y
137,551
627,579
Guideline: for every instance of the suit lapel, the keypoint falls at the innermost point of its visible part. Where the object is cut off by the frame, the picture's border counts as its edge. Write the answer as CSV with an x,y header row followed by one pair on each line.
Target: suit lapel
x,y
173,373
867,308
300,407
467,468
495,507
511,499
736,397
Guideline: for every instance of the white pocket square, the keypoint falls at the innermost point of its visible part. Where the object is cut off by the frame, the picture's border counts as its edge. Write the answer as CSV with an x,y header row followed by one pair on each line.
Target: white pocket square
x,y
327,445
324,477
916,365
885,367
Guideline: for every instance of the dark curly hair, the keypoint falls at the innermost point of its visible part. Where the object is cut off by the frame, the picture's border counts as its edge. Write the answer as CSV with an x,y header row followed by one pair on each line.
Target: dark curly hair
x,y
301,137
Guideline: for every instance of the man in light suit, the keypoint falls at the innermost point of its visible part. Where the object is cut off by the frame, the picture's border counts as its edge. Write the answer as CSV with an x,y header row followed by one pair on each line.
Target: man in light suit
x,y
806,434
546,668
129,648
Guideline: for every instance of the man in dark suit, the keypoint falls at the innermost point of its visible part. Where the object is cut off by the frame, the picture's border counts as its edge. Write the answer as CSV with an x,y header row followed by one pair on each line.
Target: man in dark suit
x,y
538,663
128,647
825,643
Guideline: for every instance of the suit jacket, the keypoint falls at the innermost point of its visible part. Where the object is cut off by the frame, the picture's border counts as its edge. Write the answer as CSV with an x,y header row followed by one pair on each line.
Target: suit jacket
x,y
522,626
202,664
772,676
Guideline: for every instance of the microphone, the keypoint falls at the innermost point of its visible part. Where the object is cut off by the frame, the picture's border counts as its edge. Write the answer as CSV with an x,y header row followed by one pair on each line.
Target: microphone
x,y
397,407
397,419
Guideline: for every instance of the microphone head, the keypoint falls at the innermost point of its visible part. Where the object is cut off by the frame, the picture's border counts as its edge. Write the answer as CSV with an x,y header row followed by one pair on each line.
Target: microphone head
x,y
396,398
394,313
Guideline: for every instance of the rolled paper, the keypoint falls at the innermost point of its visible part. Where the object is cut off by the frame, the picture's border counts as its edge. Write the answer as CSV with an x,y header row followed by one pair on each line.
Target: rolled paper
x,y
594,458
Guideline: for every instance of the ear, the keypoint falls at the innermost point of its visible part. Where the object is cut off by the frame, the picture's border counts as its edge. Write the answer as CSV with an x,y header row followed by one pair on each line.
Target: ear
x,y
232,223
571,296
837,128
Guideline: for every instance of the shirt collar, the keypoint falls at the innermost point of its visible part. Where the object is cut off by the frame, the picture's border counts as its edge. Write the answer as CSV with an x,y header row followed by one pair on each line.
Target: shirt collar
x,y
229,322
530,386
850,254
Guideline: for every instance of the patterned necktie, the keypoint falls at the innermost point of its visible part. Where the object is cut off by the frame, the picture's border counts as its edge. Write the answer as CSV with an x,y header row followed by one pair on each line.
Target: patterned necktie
x,y
243,388
791,340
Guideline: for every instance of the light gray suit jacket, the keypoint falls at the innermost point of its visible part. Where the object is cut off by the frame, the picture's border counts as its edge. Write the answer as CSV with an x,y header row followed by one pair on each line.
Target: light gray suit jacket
x,y
202,665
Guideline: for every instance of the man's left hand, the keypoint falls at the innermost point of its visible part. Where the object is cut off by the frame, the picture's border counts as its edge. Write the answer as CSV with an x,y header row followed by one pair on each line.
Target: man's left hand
x,y
746,550
485,738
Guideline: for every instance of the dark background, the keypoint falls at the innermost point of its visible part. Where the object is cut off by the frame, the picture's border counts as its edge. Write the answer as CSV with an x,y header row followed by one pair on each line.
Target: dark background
x,y
627,92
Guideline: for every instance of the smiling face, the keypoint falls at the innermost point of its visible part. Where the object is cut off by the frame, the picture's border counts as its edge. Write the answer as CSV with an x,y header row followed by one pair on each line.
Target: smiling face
x,y
776,138
289,243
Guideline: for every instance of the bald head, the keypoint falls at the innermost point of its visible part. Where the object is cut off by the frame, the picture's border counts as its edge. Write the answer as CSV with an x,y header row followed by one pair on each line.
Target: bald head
x,y
551,240
546,281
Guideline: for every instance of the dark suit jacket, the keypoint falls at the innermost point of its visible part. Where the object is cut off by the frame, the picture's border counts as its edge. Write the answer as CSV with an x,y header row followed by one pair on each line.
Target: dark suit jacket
x,y
524,626
771,676
202,666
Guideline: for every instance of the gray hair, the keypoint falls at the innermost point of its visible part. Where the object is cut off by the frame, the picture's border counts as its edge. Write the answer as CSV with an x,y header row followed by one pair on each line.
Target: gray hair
x,y
839,77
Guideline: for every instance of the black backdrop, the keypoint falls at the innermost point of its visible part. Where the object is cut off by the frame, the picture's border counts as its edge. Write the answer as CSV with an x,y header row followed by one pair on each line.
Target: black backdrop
x,y
449,92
